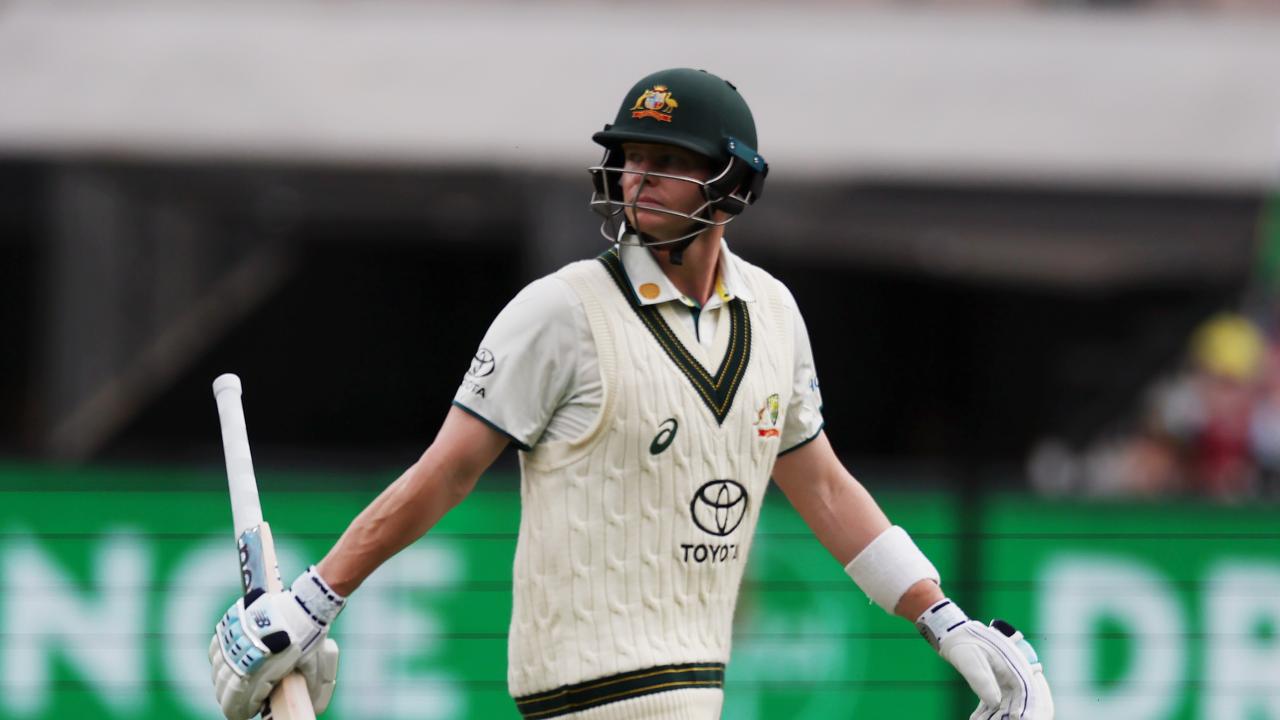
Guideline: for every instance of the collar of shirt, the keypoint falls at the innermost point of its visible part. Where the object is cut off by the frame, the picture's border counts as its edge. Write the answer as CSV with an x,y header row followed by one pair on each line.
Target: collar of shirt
x,y
645,274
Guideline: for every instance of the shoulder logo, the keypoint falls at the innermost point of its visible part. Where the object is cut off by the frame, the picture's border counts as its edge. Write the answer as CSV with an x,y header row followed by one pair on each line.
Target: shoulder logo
x,y
666,434
655,103
767,417
482,364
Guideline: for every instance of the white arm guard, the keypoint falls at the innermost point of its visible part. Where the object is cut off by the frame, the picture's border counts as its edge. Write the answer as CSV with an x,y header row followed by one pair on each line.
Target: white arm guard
x,y
889,566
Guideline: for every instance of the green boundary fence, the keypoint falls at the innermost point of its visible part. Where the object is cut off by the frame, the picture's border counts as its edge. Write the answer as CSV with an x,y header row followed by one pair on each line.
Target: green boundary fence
x,y
110,582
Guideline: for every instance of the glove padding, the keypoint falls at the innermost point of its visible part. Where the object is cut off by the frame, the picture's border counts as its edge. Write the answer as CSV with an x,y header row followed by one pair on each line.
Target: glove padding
x,y
998,663
257,645
319,669
321,672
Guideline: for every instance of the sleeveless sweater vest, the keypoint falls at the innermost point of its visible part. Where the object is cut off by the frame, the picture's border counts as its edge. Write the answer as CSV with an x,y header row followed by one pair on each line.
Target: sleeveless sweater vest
x,y
634,537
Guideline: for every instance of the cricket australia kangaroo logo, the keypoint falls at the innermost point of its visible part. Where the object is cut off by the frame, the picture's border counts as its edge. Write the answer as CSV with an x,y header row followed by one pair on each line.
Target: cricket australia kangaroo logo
x,y
719,506
767,417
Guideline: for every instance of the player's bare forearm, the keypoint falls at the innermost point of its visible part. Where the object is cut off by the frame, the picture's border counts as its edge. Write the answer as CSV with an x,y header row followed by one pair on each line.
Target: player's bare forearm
x,y
840,512
836,507
409,507
402,513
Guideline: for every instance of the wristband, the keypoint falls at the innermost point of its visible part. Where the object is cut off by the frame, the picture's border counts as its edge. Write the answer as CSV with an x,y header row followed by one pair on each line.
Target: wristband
x,y
938,621
316,597
889,566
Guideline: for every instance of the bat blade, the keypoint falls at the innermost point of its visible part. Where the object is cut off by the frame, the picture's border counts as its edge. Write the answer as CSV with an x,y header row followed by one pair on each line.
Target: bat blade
x,y
258,567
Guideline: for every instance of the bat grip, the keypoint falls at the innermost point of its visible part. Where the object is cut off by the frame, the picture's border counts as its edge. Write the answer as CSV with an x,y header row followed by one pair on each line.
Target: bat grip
x,y
246,509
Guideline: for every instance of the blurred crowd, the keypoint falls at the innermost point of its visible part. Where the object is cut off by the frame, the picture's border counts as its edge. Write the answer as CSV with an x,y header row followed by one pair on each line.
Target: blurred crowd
x,y
1214,428
1211,429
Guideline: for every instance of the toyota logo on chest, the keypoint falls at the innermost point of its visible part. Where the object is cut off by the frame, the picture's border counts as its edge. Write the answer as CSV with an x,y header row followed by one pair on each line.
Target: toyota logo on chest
x,y
719,506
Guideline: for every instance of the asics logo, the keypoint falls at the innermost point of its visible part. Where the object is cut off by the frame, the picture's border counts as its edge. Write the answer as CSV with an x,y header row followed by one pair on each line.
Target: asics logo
x,y
666,434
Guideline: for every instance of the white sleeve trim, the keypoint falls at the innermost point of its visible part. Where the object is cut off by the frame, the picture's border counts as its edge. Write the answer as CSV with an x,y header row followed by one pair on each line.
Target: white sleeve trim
x,y
889,566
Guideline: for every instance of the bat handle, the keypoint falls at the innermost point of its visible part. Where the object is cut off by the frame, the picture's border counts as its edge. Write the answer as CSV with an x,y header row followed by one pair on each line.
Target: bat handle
x,y
290,700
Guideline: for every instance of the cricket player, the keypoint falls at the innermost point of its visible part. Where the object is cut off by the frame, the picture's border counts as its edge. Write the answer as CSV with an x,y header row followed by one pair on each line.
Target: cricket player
x,y
653,392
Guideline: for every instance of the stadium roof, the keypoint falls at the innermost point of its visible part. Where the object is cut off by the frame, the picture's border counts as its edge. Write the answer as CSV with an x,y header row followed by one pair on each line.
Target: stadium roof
x,y
1080,97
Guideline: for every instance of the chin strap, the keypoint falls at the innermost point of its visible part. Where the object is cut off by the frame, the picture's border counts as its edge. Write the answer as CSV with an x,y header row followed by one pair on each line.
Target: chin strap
x,y
675,250
676,253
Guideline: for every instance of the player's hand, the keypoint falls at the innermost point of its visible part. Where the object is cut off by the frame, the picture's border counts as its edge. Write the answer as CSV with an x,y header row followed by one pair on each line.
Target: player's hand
x,y
998,663
259,642
1002,668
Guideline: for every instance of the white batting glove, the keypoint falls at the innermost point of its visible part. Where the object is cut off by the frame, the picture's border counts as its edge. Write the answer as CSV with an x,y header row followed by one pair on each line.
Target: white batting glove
x,y
255,646
320,669
998,663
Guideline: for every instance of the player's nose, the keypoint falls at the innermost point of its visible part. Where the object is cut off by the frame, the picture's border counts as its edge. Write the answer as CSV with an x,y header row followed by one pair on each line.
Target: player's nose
x,y
639,177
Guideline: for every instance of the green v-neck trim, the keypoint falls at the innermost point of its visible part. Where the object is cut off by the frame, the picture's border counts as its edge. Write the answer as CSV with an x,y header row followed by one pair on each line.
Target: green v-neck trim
x,y
716,392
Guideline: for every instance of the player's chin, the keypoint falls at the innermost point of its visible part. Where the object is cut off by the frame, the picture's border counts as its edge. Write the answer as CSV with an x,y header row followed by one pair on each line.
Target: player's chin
x,y
656,224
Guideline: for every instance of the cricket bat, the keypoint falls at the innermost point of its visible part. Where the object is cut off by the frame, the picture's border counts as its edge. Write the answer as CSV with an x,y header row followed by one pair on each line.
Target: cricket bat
x,y
258,569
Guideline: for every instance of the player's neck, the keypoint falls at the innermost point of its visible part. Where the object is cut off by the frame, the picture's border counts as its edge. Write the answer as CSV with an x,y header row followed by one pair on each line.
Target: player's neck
x,y
695,276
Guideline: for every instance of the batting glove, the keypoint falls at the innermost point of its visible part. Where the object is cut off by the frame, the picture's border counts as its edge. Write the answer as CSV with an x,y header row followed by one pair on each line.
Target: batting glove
x,y
265,636
998,663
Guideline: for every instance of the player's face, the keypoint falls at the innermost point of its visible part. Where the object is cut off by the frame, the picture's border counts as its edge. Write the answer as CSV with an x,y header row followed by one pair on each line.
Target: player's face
x,y
652,194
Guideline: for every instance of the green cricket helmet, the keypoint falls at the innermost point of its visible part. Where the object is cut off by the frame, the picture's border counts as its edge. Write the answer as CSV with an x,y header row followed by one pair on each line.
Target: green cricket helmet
x,y
690,109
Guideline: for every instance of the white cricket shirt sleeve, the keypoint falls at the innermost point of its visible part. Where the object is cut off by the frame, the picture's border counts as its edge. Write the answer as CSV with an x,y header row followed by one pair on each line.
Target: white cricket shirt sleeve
x,y
536,357
804,414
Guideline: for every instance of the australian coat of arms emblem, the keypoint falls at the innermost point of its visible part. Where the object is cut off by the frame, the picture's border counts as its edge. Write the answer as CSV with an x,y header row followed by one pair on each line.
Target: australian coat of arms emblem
x,y
656,103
